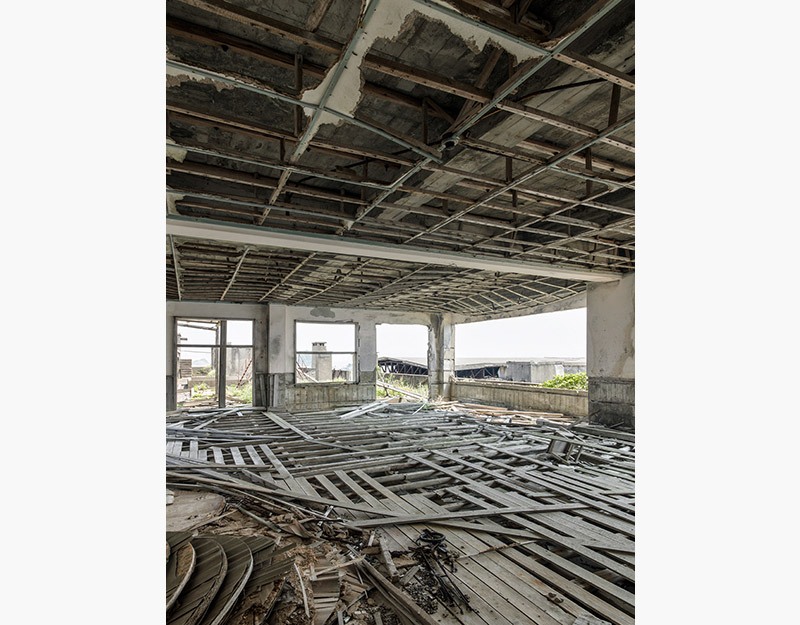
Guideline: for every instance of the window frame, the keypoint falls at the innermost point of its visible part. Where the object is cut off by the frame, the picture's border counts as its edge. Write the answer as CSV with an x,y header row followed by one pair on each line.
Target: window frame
x,y
354,354
222,353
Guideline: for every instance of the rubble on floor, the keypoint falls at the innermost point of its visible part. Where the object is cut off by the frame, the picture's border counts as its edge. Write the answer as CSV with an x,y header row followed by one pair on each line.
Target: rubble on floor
x,y
495,414
399,513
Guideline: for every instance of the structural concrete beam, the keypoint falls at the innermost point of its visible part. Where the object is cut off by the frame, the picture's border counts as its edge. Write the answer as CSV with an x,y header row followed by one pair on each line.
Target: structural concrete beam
x,y
284,239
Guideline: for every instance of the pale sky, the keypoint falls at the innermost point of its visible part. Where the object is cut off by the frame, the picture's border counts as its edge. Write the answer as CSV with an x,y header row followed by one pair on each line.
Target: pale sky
x,y
558,334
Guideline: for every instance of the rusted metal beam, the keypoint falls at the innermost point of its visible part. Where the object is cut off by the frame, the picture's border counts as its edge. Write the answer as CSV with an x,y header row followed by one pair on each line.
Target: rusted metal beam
x,y
532,172
558,121
273,26
614,109
480,83
317,13
584,23
516,23
257,86
247,127
330,87
243,158
208,36
521,154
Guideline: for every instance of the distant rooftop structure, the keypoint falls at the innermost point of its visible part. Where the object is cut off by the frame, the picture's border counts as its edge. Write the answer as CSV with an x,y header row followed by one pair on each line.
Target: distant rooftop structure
x,y
535,370
496,360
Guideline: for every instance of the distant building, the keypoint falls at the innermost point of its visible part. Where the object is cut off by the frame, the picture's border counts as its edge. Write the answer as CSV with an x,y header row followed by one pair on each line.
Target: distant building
x,y
536,371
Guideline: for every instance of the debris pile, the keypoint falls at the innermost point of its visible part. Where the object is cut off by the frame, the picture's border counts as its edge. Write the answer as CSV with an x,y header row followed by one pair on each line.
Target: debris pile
x,y
494,414
401,513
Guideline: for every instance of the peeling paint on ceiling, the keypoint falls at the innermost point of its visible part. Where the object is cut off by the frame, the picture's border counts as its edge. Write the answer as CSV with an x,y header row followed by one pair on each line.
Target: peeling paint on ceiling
x,y
390,19
177,76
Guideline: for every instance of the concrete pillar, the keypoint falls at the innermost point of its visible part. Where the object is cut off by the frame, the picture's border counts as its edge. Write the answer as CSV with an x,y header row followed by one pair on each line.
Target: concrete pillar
x,y
441,355
367,360
610,318
172,365
280,355
260,365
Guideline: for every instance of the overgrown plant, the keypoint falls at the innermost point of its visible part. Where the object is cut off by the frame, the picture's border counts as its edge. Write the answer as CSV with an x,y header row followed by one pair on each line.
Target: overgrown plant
x,y
243,393
201,390
577,381
400,383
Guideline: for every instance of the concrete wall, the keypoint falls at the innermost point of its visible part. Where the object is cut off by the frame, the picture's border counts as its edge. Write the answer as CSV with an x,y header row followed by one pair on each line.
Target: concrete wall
x,y
220,310
609,358
283,390
519,396
535,372
610,353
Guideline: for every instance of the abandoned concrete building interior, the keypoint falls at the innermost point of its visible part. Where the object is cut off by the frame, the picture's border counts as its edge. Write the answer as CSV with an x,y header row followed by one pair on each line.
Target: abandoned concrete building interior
x,y
336,165
344,301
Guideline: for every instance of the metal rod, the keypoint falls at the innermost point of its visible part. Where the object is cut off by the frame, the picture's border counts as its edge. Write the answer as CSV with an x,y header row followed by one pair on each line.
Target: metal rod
x,y
235,272
534,171
175,263
237,82
505,36
279,167
511,86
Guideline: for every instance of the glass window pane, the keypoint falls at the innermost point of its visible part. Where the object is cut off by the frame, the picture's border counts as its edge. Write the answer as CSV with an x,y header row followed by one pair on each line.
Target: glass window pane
x,y
333,337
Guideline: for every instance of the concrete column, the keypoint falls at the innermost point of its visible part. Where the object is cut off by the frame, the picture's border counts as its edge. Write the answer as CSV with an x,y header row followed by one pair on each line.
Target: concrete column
x,y
172,365
367,348
441,355
281,354
260,363
610,322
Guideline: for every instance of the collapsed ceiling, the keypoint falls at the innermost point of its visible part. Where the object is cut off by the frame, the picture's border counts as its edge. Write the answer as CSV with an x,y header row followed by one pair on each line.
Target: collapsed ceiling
x,y
483,149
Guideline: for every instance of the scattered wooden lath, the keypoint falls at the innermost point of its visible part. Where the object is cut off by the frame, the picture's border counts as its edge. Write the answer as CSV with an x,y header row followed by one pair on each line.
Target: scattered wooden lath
x,y
537,514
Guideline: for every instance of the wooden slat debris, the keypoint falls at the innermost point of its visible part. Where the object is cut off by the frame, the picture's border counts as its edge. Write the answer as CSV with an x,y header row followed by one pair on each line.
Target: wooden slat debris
x,y
180,567
401,391
211,566
536,534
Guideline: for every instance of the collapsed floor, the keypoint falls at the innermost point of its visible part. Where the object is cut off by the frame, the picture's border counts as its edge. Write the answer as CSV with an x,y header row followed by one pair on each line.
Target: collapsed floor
x,y
397,513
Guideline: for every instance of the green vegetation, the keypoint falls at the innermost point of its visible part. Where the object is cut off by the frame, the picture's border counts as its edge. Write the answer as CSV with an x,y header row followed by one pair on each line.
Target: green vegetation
x,y
573,380
243,393
202,391
420,389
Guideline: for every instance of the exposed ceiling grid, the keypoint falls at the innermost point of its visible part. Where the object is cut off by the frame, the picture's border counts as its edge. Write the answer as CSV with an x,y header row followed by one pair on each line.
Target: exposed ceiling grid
x,y
451,127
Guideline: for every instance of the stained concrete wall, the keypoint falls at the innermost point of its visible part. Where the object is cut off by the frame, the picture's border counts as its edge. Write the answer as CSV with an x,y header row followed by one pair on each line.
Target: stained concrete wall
x,y
274,357
220,310
535,372
285,392
610,352
519,396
